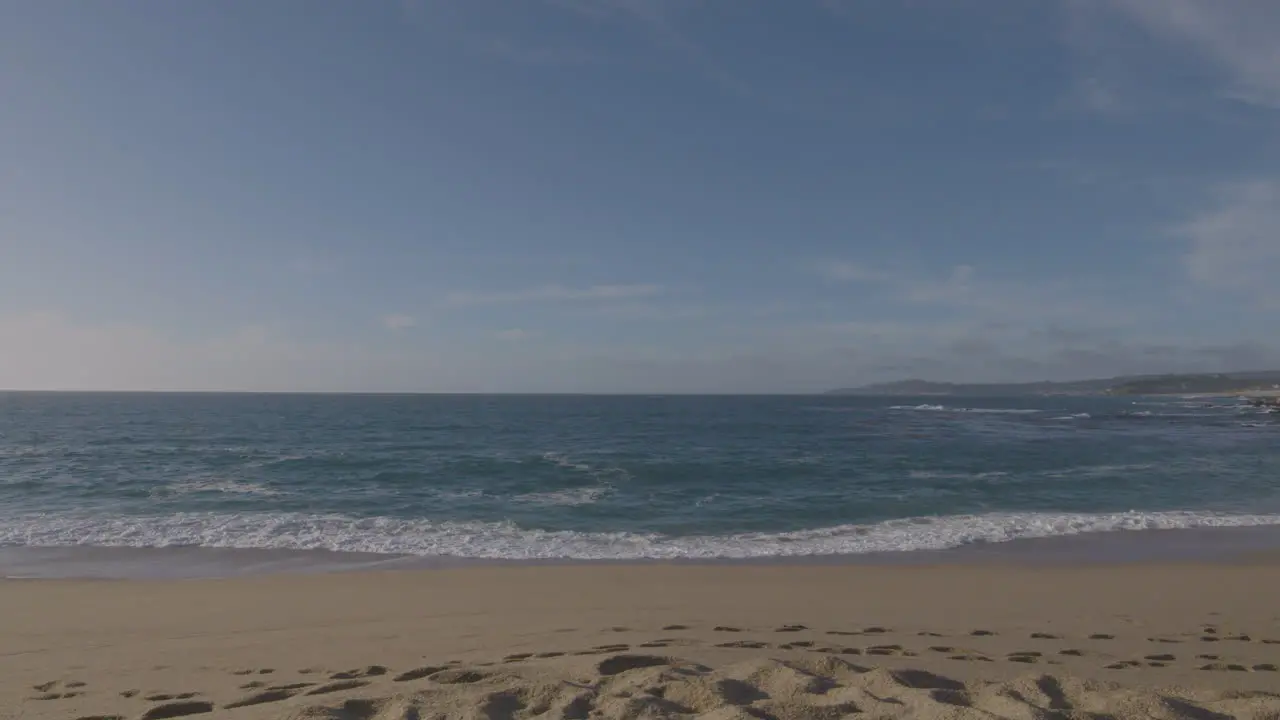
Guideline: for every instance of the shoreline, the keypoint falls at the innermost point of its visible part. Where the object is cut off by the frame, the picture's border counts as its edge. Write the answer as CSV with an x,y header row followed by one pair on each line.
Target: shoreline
x,y
1124,547
1167,639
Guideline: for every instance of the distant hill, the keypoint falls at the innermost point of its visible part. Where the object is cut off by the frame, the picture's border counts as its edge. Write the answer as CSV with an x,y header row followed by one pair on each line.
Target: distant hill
x,y
1129,385
1206,383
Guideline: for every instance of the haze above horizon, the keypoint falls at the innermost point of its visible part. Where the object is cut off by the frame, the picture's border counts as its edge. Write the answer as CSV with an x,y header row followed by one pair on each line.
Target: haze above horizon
x,y
634,196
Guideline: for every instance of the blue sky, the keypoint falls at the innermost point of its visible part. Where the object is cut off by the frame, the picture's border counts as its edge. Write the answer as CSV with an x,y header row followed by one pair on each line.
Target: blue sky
x,y
634,195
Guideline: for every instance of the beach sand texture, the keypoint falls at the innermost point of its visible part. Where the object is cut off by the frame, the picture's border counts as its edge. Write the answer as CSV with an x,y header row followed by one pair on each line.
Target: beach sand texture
x,y
647,641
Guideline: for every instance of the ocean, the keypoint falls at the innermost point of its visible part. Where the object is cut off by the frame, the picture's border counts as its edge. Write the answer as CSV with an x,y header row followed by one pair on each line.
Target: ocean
x,y
551,478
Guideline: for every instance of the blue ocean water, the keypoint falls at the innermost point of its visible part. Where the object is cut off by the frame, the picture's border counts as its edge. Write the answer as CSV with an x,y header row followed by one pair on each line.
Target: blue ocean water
x,y
525,477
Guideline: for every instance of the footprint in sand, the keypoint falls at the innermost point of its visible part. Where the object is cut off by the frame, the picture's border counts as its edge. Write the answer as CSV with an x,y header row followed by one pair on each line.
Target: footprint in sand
x,y
1044,636
178,709
982,633
339,686
889,650
57,689
419,673
726,628
1026,656
459,676
622,663
791,628
609,648
1072,652
1164,657
55,696
1102,636
802,644
1123,665
1267,667
744,645
874,630
164,697
370,671
266,696
929,633
554,654
676,627
517,657
1224,667
970,657
845,633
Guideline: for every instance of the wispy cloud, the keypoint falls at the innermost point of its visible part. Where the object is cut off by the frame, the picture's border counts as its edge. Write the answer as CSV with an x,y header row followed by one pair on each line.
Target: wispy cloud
x,y
659,18
851,272
516,334
964,290
397,322
553,293
1236,38
957,287
1235,244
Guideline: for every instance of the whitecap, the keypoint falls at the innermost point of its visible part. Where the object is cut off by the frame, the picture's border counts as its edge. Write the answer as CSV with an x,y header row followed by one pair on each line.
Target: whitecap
x,y
508,541
570,498
216,485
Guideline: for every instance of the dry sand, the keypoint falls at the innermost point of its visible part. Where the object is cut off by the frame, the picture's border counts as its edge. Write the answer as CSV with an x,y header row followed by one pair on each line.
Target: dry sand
x,y
730,642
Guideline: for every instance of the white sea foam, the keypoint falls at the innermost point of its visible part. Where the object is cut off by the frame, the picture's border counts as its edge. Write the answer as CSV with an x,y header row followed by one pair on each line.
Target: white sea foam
x,y
216,485
950,475
979,411
1097,470
599,473
563,461
1074,416
506,540
571,498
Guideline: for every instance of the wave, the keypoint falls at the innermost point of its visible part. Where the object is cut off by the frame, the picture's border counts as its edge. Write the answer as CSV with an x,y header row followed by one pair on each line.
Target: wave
x,y
1074,416
296,531
980,411
600,473
227,487
569,498
950,475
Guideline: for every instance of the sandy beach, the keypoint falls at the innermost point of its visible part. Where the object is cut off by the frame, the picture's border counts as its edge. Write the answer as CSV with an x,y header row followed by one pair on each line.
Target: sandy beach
x,y
785,641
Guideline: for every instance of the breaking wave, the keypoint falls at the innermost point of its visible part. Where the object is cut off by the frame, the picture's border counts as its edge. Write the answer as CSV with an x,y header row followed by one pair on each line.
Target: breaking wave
x,y
297,531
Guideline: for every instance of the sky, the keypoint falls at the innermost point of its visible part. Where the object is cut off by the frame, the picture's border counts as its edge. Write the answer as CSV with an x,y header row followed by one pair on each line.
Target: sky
x,y
645,196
